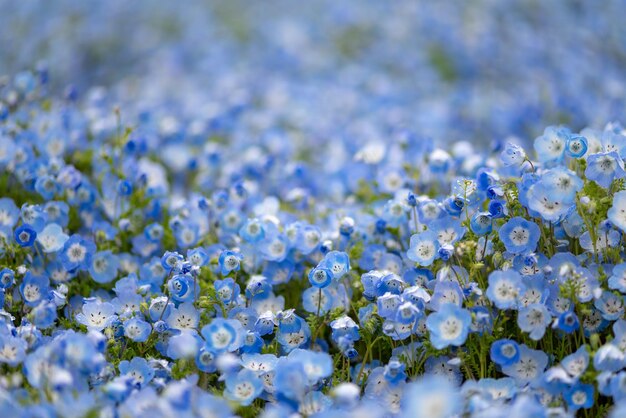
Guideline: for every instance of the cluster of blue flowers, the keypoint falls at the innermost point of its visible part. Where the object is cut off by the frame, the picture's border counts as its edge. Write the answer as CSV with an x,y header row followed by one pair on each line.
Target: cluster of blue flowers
x,y
254,221
437,283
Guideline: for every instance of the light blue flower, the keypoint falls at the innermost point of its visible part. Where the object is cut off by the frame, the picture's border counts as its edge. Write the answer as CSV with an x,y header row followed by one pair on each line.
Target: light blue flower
x,y
448,326
519,235
424,248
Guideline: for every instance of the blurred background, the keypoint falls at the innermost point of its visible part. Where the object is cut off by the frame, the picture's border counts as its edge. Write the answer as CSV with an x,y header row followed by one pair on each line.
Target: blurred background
x,y
476,70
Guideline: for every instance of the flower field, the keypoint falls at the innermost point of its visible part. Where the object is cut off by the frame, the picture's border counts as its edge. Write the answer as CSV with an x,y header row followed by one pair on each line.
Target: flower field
x,y
327,209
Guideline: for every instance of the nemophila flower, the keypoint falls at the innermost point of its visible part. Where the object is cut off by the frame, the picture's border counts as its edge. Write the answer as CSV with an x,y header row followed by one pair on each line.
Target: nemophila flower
x,y
530,365
96,315
320,277
447,229
543,201
603,240
138,369
274,247
579,396
44,315
344,326
25,235
9,212
154,232
505,352
388,304
481,223
564,183
290,379
186,234
47,186
430,397
604,167
497,208
534,319
34,289
317,299
610,305
160,307
104,266
7,278
505,288
317,365
12,349
394,212
182,288
226,290
76,253
198,257
519,235
34,215
137,329
617,280
169,260
551,146
52,238
446,292
252,230
223,335
576,146
617,213
567,322
279,272
424,248
429,210
337,262
512,155
391,283
185,317
448,326
444,367
576,363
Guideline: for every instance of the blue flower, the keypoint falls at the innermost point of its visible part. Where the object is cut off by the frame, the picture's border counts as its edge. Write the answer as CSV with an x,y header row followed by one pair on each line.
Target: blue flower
x,y
320,277
76,253
519,235
183,288
604,167
576,146
104,266
184,318
344,327
137,329
138,369
551,146
337,262
12,349
579,396
34,289
96,315
505,352
512,155
617,213
534,319
424,248
25,235
448,326
505,288
52,238
9,213
229,261
529,367
431,397
223,335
